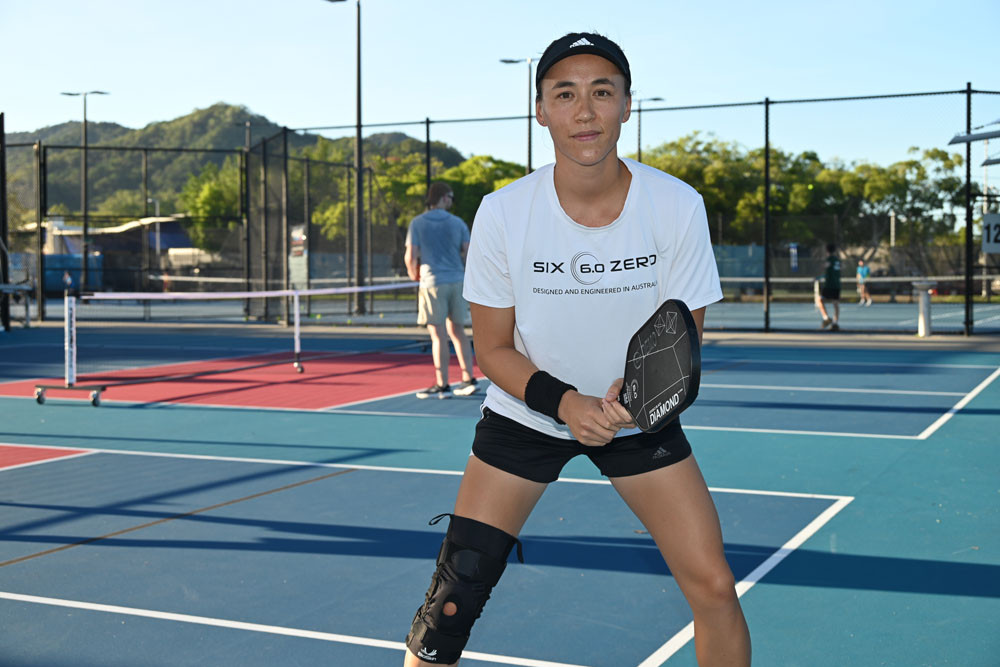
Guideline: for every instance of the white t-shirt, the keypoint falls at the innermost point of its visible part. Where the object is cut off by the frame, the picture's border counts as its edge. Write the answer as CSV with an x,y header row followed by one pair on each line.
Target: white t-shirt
x,y
579,293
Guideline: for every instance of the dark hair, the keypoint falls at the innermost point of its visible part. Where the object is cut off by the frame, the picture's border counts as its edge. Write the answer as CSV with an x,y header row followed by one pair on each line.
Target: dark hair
x,y
830,247
437,190
576,43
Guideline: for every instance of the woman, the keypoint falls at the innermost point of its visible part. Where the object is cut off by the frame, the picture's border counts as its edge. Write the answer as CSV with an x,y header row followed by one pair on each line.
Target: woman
x,y
563,266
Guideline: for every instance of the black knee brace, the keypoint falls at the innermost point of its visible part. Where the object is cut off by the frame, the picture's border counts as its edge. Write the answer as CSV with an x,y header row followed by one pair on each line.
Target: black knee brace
x,y
469,565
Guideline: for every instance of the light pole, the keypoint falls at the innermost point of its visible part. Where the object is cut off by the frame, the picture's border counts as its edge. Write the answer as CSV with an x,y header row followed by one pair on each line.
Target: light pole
x,y
83,182
638,115
358,305
514,61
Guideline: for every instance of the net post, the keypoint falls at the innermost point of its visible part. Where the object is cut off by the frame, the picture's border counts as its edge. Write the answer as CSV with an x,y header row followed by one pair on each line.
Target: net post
x,y
69,337
297,329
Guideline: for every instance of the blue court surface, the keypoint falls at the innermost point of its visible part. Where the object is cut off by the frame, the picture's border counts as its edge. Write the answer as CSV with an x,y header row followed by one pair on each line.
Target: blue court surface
x,y
856,483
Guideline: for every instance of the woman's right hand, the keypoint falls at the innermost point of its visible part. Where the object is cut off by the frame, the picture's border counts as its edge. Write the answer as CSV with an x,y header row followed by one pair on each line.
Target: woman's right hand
x,y
586,419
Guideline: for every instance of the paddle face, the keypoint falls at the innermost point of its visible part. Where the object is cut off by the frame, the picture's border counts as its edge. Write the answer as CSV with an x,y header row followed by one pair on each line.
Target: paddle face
x,y
662,367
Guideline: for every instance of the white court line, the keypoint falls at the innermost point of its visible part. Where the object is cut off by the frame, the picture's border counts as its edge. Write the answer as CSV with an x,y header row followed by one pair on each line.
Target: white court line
x,y
368,400
269,629
67,457
657,658
779,431
422,471
961,313
676,642
800,362
845,390
382,413
943,419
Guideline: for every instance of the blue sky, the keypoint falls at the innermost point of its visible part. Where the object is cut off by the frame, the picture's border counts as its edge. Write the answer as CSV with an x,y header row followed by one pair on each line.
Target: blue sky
x,y
293,62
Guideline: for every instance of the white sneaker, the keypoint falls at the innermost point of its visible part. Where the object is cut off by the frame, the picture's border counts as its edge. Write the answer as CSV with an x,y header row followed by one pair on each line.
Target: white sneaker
x,y
437,391
466,388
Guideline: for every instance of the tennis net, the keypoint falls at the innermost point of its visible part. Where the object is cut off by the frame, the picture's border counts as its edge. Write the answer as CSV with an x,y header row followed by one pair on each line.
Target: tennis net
x,y
117,342
893,305
883,289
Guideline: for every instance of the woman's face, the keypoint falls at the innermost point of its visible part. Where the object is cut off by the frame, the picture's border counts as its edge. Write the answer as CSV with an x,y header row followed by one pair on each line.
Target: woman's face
x,y
584,102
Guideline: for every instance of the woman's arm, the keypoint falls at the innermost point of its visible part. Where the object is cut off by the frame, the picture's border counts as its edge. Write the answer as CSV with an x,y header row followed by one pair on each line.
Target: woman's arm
x,y
493,334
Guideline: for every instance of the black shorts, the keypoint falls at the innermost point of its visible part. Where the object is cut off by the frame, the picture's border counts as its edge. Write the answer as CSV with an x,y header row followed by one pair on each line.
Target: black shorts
x,y
831,293
515,448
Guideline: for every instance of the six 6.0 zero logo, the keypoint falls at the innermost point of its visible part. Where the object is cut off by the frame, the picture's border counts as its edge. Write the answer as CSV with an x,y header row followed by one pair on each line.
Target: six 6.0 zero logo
x,y
586,268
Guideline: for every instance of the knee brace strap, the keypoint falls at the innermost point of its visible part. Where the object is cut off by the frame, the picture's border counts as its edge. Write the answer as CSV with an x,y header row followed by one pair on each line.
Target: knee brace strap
x,y
473,556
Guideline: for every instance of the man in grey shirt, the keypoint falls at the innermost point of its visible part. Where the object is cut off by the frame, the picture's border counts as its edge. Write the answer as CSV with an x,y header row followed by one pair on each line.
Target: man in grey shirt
x,y
436,244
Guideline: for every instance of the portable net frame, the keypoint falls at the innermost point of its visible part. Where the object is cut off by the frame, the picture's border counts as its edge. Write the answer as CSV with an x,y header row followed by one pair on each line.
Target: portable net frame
x,y
213,307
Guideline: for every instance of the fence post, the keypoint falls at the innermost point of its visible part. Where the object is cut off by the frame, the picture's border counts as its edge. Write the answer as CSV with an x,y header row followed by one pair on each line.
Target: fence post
x,y
968,211
348,237
427,151
307,223
284,221
245,212
39,232
370,233
245,220
263,222
4,243
767,214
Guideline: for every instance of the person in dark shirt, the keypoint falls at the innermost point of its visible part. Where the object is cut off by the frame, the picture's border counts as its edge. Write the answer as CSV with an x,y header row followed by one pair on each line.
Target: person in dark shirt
x,y
830,291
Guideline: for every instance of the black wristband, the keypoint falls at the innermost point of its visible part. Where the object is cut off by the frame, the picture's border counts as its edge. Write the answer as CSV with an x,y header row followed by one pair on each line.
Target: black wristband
x,y
543,394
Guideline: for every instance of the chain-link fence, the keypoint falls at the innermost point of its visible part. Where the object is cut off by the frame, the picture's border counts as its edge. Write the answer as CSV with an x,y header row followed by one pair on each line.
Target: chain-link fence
x,y
871,175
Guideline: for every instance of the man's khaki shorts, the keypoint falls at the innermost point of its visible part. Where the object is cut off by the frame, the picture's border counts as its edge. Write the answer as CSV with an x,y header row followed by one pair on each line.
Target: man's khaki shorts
x,y
442,302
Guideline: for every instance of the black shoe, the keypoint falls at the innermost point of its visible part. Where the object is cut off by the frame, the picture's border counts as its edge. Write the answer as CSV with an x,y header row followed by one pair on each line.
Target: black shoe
x,y
437,391
466,388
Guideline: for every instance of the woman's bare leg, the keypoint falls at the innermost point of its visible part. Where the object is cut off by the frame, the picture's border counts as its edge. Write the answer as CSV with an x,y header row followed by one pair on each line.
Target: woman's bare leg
x,y
676,508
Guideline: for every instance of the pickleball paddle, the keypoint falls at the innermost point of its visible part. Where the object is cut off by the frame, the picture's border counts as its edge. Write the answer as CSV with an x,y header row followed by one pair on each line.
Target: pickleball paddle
x,y
662,368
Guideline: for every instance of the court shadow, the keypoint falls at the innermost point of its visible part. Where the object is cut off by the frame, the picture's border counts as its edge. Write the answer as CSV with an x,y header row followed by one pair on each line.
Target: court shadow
x,y
881,573
625,555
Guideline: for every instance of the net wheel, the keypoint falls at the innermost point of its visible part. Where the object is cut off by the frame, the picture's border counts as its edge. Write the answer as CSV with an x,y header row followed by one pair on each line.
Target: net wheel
x,y
95,398
40,396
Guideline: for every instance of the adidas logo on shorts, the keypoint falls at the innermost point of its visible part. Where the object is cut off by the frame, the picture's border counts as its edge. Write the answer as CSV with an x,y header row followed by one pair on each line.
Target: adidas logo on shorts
x,y
660,453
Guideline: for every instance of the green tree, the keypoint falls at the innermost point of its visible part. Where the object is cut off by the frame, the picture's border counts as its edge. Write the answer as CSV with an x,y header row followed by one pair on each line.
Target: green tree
x,y
211,200
122,203
475,178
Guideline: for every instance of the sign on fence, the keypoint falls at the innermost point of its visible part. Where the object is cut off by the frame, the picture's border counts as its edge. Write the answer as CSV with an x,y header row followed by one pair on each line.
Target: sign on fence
x,y
991,233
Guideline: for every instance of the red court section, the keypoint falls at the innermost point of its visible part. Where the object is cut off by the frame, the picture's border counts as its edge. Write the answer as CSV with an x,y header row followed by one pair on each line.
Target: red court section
x,y
15,455
326,382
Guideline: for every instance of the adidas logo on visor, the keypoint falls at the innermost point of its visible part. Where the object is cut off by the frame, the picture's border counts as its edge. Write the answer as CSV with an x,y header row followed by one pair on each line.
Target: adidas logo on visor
x,y
583,41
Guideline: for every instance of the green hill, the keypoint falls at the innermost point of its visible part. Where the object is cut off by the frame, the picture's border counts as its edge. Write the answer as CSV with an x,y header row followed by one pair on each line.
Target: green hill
x,y
115,176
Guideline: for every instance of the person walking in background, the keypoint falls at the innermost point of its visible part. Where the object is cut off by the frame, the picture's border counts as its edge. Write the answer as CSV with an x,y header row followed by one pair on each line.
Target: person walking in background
x,y
864,295
831,289
436,244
